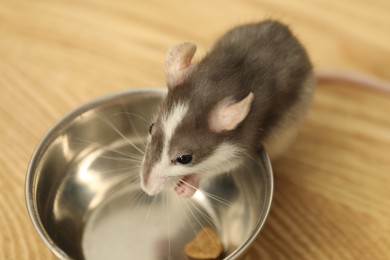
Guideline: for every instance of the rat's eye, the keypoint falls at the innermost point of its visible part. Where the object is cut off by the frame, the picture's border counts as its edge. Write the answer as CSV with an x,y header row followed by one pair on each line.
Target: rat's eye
x,y
151,128
184,159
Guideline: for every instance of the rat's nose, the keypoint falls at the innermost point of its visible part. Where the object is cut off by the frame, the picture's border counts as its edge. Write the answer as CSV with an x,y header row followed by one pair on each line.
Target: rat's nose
x,y
150,185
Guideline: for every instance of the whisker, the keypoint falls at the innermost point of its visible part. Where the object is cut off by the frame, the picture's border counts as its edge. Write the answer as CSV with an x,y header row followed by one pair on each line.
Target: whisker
x,y
217,198
192,213
141,198
113,127
207,194
122,185
179,206
133,114
165,203
200,224
143,145
122,159
104,147
151,205
247,156
137,198
118,170
206,217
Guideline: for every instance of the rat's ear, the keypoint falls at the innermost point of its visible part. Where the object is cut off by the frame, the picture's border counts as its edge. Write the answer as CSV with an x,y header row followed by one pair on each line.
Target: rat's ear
x,y
226,116
177,63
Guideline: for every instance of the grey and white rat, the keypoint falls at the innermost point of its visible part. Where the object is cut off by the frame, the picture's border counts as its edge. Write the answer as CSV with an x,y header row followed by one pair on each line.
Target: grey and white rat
x,y
252,89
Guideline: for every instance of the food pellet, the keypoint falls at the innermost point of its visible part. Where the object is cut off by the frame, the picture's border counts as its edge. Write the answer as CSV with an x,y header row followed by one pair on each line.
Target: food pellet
x,y
205,245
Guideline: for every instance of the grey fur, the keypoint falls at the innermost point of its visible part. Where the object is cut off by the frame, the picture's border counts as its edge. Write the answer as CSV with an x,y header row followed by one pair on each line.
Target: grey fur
x,y
263,58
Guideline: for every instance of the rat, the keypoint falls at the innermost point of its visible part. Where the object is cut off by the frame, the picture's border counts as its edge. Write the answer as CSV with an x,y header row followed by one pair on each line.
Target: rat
x,y
251,90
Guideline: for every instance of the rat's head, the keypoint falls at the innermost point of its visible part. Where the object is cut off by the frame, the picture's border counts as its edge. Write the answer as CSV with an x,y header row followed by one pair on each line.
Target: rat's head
x,y
190,137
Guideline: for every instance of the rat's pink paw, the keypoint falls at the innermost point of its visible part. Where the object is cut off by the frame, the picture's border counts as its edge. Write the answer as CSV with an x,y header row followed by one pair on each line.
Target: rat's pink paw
x,y
187,186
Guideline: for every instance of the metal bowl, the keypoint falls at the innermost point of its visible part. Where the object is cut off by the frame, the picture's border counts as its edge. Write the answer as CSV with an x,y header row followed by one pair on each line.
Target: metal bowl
x,y
85,202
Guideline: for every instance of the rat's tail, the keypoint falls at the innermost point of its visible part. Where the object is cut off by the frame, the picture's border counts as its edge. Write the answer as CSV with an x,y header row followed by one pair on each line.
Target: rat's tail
x,y
358,78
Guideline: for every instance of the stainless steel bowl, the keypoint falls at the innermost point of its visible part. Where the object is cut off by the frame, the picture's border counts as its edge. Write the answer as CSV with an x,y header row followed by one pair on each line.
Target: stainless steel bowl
x,y
83,195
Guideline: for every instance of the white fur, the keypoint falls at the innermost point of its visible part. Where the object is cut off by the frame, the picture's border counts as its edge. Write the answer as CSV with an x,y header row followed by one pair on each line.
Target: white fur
x,y
172,120
158,174
223,159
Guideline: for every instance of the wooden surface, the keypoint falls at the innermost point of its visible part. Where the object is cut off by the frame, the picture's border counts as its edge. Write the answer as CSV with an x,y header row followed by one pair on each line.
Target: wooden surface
x,y
332,190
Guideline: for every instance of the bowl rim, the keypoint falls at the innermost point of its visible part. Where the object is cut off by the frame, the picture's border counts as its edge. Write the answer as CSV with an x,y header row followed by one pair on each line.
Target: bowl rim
x,y
261,220
51,133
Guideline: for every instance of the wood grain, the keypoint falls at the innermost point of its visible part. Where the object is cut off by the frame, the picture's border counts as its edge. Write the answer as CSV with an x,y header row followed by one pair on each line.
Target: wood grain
x,y
332,188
